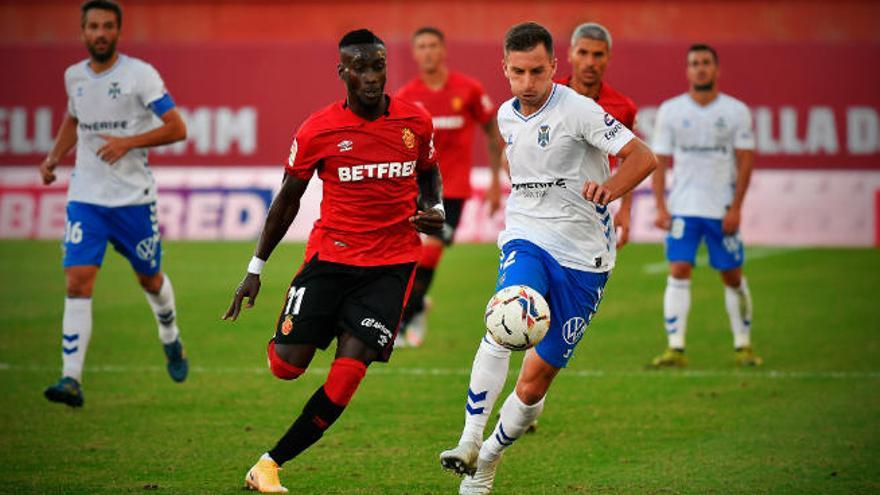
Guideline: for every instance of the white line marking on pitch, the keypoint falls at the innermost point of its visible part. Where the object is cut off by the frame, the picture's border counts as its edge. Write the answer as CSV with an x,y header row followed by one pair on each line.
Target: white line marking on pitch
x,y
703,260
444,372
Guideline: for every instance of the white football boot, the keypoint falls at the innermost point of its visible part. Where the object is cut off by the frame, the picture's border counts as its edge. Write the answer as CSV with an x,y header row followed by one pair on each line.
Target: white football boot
x,y
462,459
482,480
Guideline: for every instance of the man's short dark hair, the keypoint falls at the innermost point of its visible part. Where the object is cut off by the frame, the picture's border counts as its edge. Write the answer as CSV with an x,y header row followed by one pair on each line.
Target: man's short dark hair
x,y
360,37
702,47
101,5
429,30
526,36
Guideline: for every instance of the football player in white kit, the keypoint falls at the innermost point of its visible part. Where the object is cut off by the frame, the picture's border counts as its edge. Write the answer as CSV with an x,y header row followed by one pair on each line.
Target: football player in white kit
x,y
113,102
558,239
708,136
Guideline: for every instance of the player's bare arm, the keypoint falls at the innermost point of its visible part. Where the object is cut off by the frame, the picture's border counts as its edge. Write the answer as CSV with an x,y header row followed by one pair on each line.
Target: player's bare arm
x,y
173,129
658,184
283,210
430,216
65,140
637,163
493,147
745,160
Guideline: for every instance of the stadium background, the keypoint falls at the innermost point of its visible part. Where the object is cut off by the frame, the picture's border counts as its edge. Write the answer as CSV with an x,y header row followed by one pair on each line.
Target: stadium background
x,y
245,75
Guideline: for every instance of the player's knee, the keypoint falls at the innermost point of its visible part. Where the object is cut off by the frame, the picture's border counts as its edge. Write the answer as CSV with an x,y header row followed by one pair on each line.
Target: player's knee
x,y
79,286
680,270
150,283
281,368
343,380
530,392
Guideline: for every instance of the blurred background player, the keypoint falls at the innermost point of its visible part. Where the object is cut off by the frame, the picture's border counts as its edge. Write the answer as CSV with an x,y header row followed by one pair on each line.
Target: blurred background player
x,y
708,137
557,239
456,103
375,157
112,100
589,54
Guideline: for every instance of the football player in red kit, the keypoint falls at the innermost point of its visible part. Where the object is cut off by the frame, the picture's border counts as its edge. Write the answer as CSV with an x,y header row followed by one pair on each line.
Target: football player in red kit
x,y
381,186
589,54
457,103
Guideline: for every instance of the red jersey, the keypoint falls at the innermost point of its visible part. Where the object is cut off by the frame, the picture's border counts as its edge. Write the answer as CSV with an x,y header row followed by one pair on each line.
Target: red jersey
x,y
454,108
614,102
368,169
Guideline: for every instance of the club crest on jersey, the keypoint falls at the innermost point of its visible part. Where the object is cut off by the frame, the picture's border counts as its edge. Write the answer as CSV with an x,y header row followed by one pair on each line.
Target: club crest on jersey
x,y
345,145
409,139
115,90
456,103
544,136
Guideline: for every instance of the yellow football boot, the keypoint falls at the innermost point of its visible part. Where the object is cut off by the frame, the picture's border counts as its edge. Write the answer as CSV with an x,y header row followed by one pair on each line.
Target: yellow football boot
x,y
263,477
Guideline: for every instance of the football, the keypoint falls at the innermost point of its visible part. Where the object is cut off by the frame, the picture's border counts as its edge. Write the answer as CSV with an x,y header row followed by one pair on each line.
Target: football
x,y
517,317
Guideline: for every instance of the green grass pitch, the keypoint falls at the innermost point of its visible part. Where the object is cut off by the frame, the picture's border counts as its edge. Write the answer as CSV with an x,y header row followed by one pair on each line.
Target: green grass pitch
x,y
808,421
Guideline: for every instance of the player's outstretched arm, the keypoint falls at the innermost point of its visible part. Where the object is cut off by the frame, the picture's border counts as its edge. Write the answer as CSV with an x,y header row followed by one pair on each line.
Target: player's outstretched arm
x,y
64,141
745,160
284,208
658,183
493,147
173,129
637,163
430,216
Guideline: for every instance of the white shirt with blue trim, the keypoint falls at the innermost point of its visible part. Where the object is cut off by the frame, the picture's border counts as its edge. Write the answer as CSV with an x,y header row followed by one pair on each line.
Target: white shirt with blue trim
x,y
124,100
552,153
702,141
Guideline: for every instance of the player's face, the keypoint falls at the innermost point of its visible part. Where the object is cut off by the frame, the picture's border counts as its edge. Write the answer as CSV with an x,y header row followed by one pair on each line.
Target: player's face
x,y
429,52
530,74
100,33
588,60
362,69
702,70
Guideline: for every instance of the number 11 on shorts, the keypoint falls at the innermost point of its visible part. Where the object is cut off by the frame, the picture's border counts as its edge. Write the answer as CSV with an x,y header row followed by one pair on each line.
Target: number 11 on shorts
x,y
294,299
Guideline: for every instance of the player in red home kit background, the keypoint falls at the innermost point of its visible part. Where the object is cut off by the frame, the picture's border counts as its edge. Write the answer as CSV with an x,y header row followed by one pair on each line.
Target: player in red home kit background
x,y
375,156
589,55
456,103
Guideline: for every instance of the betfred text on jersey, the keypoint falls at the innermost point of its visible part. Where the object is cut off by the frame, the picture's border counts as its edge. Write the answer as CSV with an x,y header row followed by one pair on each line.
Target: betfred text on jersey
x,y
390,170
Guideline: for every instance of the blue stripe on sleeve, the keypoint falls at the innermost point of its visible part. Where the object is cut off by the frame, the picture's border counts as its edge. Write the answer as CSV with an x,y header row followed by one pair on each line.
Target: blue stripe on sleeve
x,y
162,105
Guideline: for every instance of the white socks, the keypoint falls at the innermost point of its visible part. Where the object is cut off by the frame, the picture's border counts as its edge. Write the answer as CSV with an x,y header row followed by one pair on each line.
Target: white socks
x,y
487,379
76,330
676,304
739,308
515,419
163,307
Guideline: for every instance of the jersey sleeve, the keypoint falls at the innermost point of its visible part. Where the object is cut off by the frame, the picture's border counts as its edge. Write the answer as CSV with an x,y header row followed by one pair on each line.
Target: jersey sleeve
x,y
152,93
744,137
663,140
602,130
304,158
427,152
482,109
71,107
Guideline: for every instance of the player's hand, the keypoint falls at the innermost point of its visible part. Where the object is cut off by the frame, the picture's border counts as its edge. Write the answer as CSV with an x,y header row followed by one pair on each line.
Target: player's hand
x,y
597,193
115,148
730,223
663,220
47,170
428,221
493,195
621,224
249,287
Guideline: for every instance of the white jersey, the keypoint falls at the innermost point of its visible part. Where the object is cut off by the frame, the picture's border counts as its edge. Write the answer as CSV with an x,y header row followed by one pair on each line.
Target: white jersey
x,y
552,153
701,141
120,101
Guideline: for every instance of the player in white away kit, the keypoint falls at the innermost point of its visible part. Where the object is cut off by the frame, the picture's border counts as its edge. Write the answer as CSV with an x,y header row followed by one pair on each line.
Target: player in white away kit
x,y
708,136
558,239
112,100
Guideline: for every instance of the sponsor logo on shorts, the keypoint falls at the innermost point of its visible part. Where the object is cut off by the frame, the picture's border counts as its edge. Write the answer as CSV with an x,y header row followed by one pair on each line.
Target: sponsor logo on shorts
x,y
390,170
385,335
574,329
